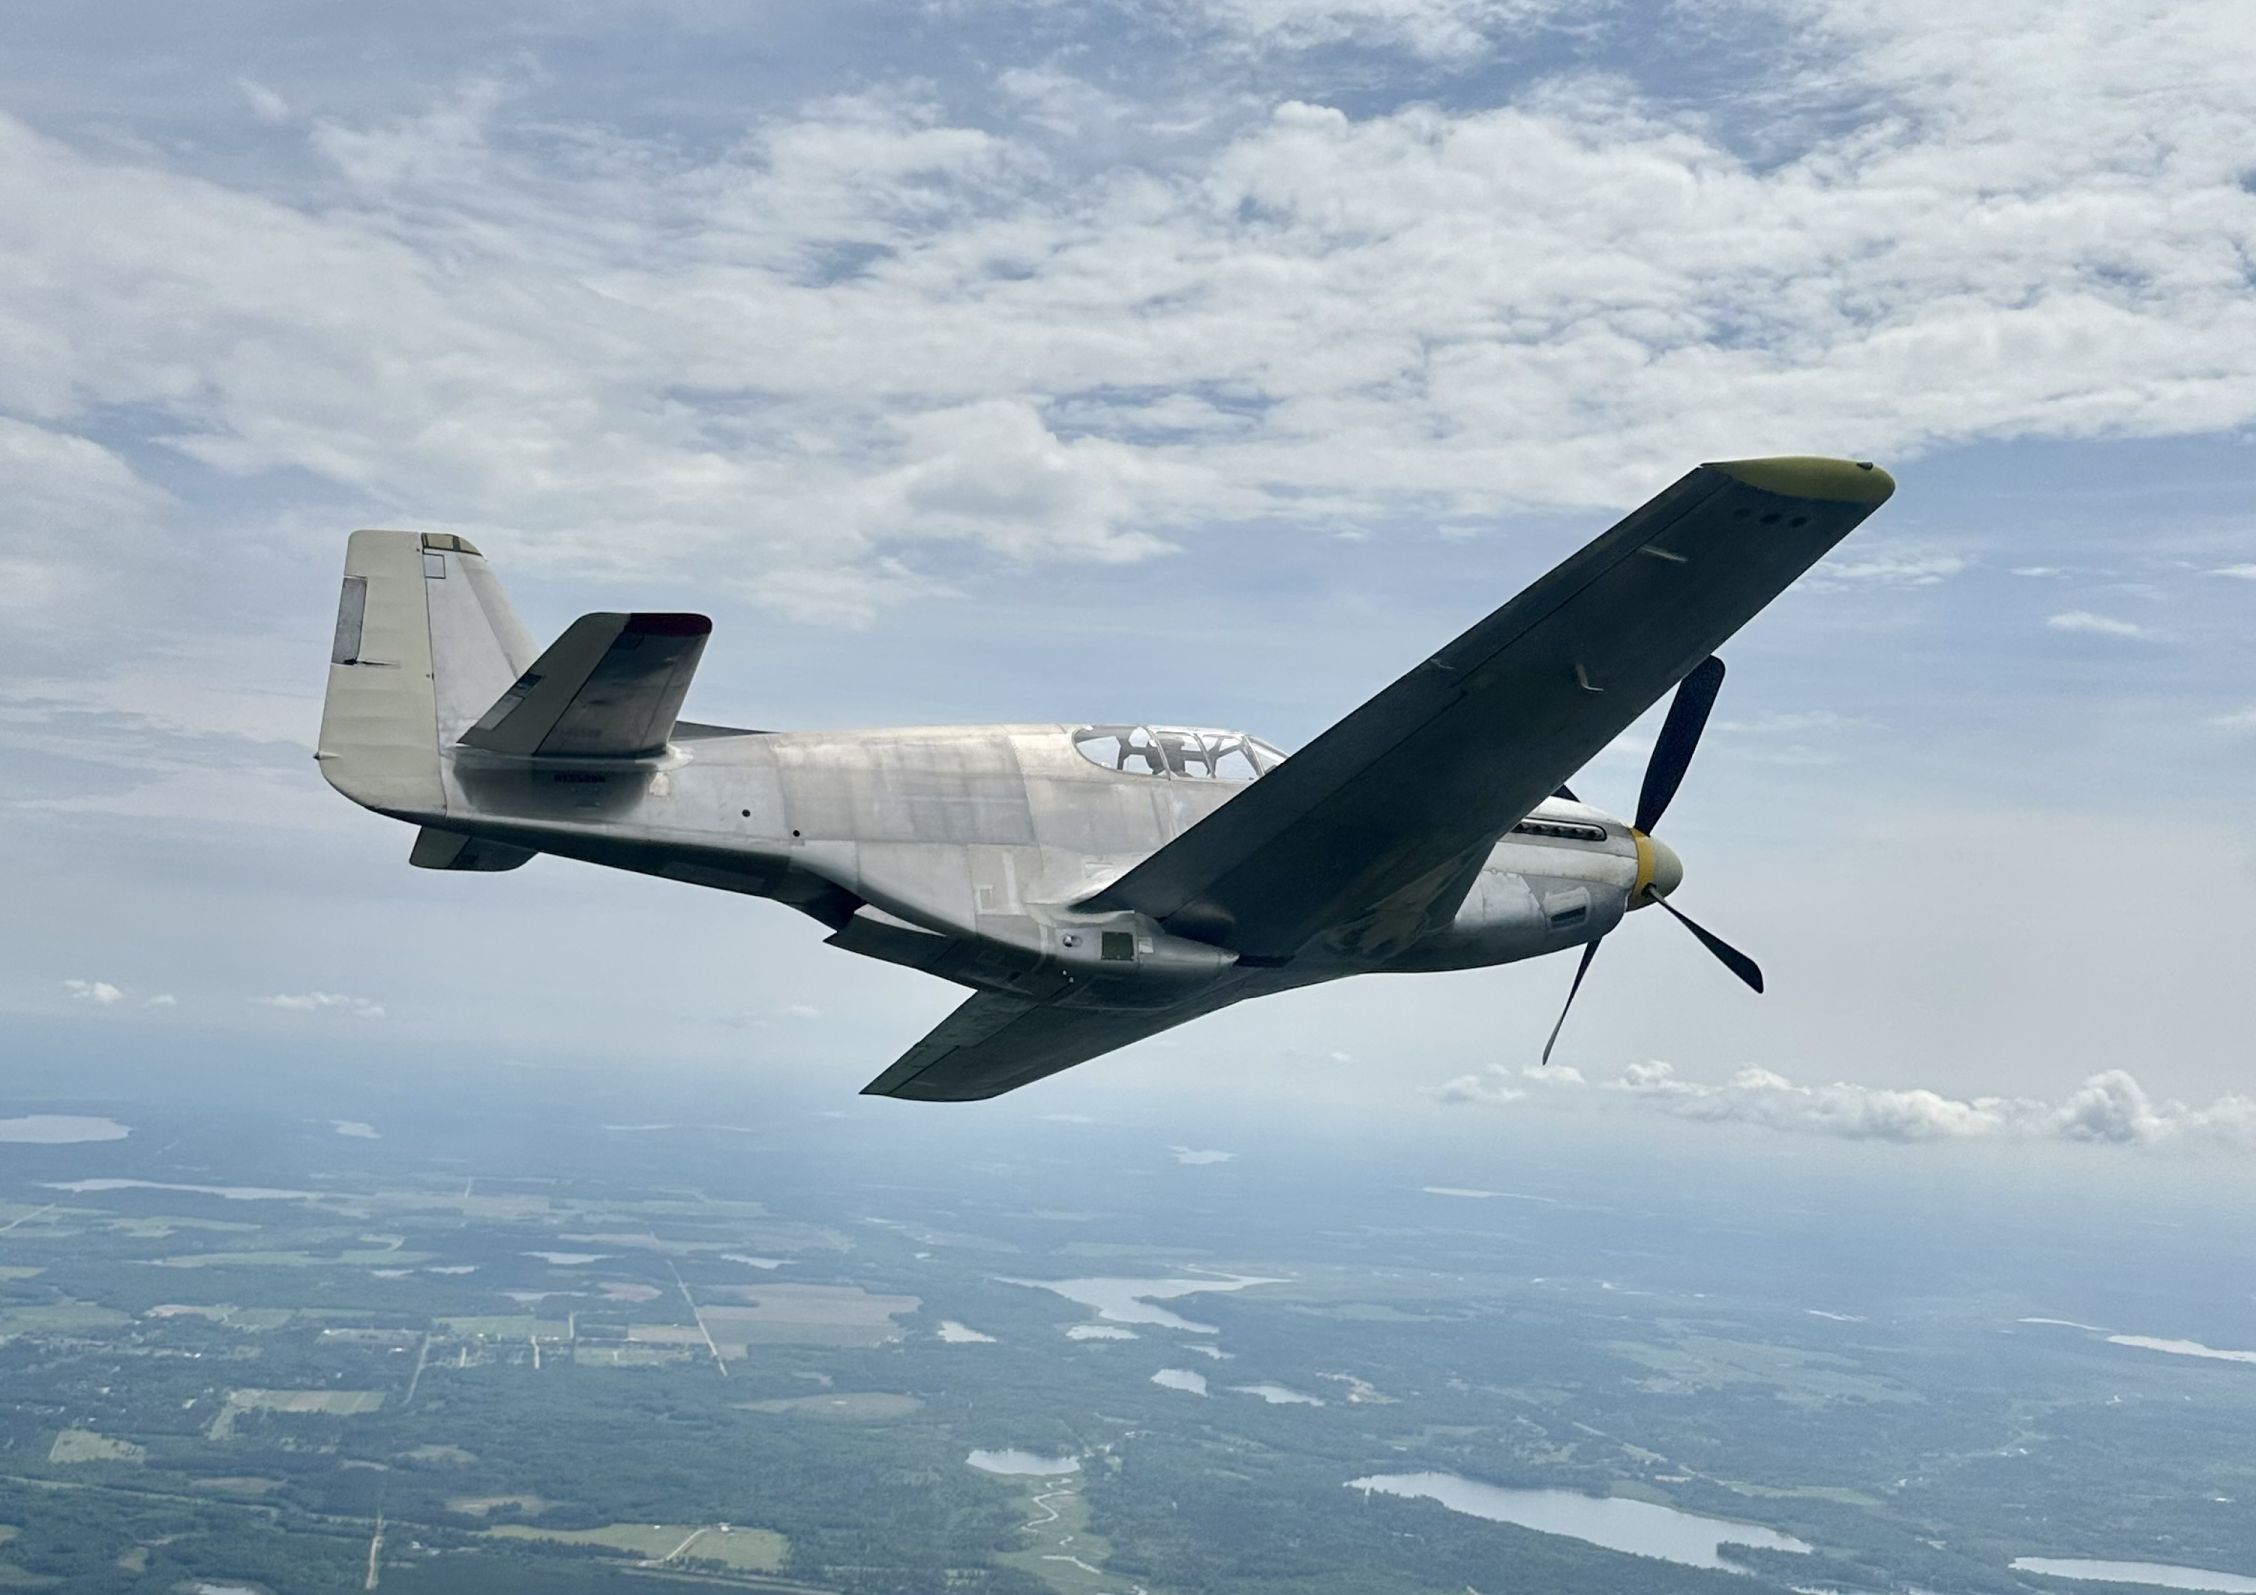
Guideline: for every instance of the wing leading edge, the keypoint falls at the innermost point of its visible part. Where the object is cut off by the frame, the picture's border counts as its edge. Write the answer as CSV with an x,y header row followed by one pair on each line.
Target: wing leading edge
x,y
1465,745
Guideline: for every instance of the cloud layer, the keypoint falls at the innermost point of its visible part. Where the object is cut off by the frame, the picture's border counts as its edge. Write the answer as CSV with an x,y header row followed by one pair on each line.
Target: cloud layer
x,y
876,324
2110,1107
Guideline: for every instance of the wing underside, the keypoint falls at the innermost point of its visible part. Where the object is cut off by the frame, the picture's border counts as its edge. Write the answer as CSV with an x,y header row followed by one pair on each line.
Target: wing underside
x,y
994,1043
1426,775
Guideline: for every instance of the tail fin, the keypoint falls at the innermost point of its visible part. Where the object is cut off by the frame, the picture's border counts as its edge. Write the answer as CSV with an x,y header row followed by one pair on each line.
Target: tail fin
x,y
426,641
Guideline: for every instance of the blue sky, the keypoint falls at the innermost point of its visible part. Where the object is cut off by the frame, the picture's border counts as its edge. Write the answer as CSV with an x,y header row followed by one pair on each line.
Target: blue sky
x,y
1201,360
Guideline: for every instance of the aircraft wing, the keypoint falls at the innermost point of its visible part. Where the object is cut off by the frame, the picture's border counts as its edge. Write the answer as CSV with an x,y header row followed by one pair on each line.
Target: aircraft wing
x,y
1409,786
993,1043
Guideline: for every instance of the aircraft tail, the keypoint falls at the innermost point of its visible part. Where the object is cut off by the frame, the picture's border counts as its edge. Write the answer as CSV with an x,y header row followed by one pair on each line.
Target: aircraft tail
x,y
426,642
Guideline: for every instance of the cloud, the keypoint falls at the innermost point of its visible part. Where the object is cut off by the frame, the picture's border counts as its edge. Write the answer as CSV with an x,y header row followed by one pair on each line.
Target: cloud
x,y
268,106
1886,566
98,992
1458,31
1790,723
2085,622
71,505
324,1002
822,361
2110,1107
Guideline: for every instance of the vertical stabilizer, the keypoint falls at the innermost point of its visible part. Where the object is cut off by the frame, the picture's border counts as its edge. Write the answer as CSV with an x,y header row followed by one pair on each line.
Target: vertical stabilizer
x,y
425,642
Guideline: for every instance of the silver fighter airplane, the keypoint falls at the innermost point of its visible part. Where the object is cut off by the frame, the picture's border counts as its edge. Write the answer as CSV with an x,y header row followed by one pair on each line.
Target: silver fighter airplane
x,y
1094,884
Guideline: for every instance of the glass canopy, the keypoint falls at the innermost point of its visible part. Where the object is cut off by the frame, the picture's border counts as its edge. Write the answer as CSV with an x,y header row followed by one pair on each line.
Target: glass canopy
x,y
1188,752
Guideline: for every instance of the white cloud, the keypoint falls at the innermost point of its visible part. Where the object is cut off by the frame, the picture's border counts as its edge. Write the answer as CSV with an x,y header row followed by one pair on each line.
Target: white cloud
x,y
1789,723
324,1002
99,992
68,505
2089,624
268,106
1887,565
1438,30
2110,1107
862,330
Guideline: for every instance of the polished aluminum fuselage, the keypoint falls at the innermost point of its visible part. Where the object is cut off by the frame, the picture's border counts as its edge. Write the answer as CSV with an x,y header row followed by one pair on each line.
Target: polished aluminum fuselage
x,y
964,850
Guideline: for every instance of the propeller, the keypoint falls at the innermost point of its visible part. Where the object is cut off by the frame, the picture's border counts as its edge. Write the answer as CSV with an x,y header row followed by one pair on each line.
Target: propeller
x,y
1664,773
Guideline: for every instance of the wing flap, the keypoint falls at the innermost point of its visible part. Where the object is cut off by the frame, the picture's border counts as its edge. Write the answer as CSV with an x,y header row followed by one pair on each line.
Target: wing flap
x,y
993,1043
611,686
1466,744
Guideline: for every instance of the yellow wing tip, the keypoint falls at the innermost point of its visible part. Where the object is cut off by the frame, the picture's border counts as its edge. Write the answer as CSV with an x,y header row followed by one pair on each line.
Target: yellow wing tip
x,y
1811,476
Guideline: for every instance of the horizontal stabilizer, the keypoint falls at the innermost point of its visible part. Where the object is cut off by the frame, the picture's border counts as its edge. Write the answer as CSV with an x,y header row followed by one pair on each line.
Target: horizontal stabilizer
x,y
611,686
437,849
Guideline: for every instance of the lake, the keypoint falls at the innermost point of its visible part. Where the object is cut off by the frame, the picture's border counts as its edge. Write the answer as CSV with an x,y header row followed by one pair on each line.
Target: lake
x,y
59,1129
1638,1527
1022,1462
1134,1301
2157,1573
1279,1395
233,1193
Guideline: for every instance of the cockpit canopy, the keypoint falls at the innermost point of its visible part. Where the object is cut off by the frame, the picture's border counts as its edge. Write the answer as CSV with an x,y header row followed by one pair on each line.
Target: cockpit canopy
x,y
1186,752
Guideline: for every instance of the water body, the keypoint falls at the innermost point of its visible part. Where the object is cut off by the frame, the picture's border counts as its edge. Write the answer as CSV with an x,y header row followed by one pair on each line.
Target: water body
x,y
1023,1462
956,1334
59,1129
1279,1395
1133,1301
1181,1379
1638,1527
1474,1193
234,1193
2160,1574
2180,1348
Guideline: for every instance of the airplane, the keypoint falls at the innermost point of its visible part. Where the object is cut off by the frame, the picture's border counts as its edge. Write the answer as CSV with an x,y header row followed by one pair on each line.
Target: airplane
x,y
1096,884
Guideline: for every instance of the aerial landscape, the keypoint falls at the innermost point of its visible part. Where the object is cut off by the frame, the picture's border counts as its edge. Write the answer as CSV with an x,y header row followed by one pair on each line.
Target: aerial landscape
x,y
810,799
532,1345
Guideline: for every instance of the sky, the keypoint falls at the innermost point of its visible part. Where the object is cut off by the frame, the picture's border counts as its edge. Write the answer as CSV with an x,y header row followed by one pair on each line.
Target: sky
x,y
1200,361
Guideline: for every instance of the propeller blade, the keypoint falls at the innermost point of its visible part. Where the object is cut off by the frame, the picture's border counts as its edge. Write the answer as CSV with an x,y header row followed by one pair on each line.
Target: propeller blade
x,y
1729,956
1680,734
1589,952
